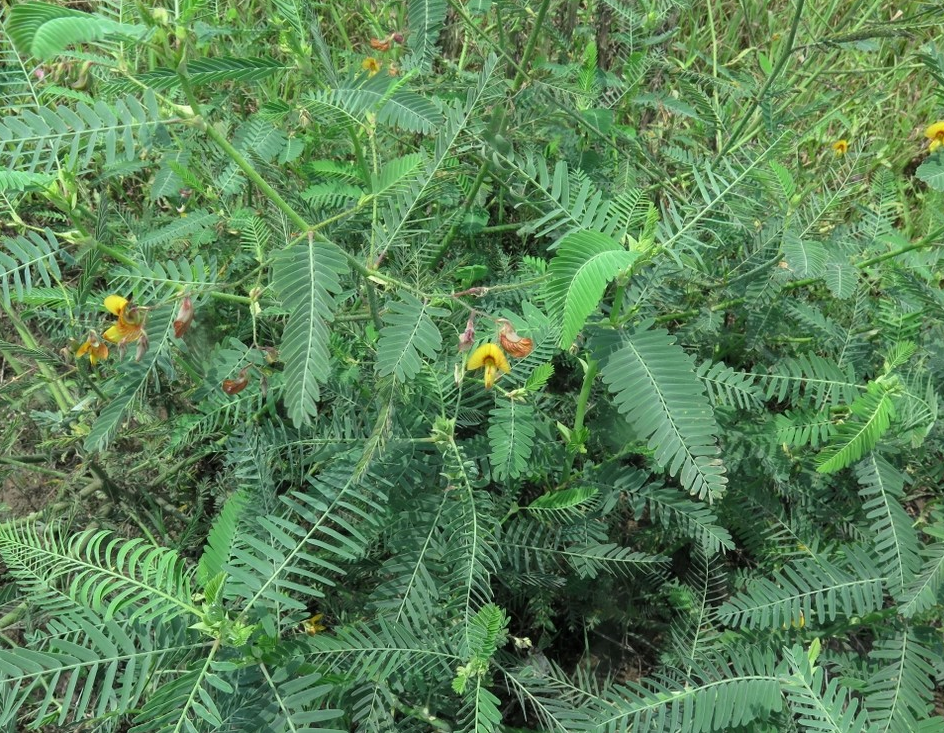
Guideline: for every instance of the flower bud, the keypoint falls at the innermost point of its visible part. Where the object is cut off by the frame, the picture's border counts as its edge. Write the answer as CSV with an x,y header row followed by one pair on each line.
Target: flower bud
x,y
467,336
142,347
184,316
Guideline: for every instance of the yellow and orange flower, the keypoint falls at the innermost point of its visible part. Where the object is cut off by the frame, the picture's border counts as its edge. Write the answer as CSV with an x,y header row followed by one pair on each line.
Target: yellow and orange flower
x,y
841,147
94,347
935,133
130,323
370,65
491,358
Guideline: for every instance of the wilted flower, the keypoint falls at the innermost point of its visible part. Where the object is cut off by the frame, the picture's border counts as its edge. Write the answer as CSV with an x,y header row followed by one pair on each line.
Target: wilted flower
x,y
142,347
517,346
467,337
491,358
184,316
935,133
94,347
841,147
235,386
378,45
130,323
370,65
40,73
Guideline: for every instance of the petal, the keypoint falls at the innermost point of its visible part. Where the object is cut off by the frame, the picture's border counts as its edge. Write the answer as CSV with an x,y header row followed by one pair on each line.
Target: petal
x,y
113,334
83,349
934,130
490,376
502,362
114,304
486,352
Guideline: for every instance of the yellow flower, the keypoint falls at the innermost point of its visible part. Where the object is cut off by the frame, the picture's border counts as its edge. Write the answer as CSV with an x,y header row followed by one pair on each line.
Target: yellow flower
x,y
935,133
371,65
492,359
94,347
841,146
313,625
130,323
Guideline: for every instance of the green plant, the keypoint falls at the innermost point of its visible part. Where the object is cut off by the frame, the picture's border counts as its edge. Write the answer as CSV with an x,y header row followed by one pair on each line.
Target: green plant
x,y
702,497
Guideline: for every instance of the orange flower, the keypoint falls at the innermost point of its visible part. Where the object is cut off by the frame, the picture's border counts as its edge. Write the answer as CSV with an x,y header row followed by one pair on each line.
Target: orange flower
x,y
491,358
370,65
935,133
841,147
130,323
94,347
517,346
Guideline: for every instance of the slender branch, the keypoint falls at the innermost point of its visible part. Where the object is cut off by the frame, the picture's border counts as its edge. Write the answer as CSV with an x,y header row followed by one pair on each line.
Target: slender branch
x,y
28,466
583,399
759,97
466,205
59,392
529,48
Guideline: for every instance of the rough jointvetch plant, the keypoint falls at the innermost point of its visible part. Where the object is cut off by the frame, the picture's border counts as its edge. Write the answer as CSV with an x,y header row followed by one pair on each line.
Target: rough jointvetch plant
x,y
701,492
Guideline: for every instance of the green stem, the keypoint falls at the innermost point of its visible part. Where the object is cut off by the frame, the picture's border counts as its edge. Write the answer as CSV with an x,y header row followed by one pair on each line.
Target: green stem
x,y
60,394
501,228
795,284
177,468
529,48
32,467
466,205
755,103
582,401
921,244
253,175
617,303
372,304
118,255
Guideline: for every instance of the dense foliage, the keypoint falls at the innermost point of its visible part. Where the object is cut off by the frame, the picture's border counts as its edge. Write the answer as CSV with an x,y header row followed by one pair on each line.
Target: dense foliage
x,y
501,365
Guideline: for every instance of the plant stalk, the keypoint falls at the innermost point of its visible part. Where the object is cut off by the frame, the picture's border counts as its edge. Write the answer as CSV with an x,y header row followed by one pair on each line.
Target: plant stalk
x,y
582,400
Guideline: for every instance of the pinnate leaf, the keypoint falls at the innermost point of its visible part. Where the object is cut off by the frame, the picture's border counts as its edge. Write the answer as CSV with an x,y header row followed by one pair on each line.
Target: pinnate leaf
x,y
585,262
307,277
